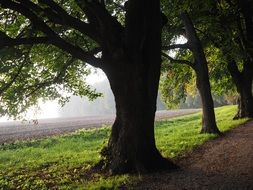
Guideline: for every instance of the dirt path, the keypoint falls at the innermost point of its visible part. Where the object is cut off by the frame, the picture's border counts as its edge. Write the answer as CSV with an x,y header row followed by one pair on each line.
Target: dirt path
x,y
225,163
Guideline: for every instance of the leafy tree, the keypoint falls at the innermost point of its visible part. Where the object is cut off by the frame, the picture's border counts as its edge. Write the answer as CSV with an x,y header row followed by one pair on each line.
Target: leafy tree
x,y
38,72
124,40
226,25
199,65
221,26
238,52
177,81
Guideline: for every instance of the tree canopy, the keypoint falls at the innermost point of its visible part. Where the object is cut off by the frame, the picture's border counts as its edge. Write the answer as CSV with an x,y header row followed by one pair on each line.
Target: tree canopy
x,y
45,47
222,30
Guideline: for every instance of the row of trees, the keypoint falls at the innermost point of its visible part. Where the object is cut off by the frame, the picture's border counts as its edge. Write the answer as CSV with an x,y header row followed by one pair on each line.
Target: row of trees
x,y
46,44
220,39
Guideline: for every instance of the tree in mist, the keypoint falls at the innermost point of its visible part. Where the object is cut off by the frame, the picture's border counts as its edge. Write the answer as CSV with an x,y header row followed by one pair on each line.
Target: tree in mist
x,y
198,63
122,39
223,28
82,106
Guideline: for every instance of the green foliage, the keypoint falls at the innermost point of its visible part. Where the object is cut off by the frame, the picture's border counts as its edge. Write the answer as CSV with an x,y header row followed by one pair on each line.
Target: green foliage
x,y
220,78
39,73
64,162
31,73
175,87
217,27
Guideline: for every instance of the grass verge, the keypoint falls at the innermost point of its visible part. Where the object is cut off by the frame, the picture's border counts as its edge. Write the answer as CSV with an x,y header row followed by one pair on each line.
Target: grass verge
x,y
63,162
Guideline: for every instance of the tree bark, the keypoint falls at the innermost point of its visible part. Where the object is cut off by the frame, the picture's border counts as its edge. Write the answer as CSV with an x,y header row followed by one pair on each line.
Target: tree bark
x,y
134,79
243,79
132,146
243,82
208,118
203,84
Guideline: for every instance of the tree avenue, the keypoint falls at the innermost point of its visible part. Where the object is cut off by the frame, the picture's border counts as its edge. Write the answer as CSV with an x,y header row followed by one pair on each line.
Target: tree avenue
x,y
124,40
223,28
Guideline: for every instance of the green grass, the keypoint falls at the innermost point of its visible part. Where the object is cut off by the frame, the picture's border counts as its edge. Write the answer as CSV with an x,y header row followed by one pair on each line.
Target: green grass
x,y
63,162
177,137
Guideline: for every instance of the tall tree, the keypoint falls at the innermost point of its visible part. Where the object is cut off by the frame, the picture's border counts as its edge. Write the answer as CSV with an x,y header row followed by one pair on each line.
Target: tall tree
x,y
199,65
242,11
230,23
202,77
224,27
125,42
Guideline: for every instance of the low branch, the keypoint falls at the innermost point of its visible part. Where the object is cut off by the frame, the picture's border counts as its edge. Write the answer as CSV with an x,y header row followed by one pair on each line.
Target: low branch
x,y
54,38
79,53
110,30
179,61
175,46
8,42
95,50
59,15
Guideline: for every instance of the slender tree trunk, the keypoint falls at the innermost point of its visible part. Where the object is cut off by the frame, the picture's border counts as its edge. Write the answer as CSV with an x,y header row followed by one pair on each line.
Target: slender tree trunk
x,y
243,82
245,107
208,117
134,78
203,83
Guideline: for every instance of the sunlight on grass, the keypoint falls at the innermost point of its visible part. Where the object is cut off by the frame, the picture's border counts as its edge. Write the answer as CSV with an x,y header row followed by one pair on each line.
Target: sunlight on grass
x,y
179,136
63,162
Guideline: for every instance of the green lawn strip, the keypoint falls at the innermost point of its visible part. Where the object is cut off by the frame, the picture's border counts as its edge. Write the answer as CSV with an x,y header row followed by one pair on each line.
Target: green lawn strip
x,y
63,162
177,137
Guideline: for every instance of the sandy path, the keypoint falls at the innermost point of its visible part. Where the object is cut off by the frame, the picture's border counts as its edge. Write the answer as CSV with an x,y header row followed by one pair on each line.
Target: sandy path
x,y
11,131
225,163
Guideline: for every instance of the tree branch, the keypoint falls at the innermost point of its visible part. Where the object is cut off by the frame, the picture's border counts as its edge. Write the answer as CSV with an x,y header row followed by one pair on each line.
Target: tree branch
x,y
179,61
110,30
7,42
175,46
74,50
58,15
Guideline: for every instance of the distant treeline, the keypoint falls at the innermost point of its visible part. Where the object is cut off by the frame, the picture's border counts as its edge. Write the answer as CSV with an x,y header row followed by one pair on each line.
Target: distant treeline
x,y
106,103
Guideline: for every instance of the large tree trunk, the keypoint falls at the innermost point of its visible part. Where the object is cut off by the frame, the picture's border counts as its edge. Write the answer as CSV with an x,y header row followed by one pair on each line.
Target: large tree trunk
x,y
243,82
202,81
134,78
132,144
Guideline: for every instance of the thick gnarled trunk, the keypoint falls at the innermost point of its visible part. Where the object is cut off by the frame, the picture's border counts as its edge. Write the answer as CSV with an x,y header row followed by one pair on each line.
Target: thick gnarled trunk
x,y
132,144
134,75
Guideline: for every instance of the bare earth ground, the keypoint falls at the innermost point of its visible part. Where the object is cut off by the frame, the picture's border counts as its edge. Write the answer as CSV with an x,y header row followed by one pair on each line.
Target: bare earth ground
x,y
225,163
17,130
